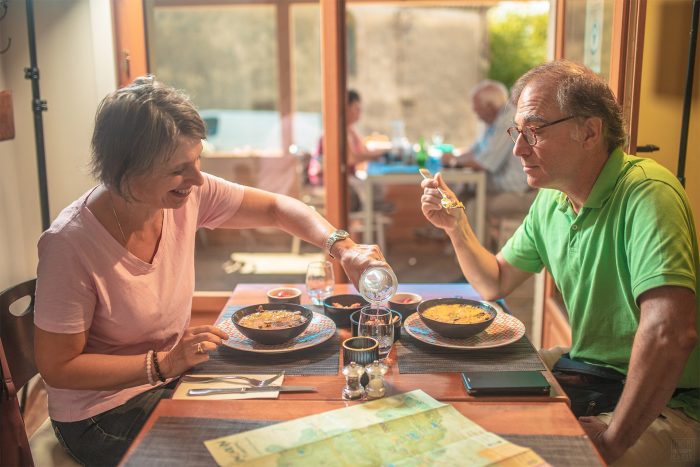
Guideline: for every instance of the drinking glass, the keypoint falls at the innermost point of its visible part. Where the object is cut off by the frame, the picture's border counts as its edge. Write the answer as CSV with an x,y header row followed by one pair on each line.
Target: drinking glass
x,y
319,281
375,322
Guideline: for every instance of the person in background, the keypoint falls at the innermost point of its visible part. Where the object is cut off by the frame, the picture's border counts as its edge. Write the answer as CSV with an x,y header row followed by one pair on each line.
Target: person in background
x,y
116,268
617,235
357,155
357,149
508,194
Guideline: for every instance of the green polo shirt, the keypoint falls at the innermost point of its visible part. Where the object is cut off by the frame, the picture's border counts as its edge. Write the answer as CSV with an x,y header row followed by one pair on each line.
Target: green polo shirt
x,y
635,232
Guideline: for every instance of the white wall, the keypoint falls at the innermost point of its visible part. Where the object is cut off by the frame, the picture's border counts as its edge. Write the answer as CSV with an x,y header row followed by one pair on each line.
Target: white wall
x,y
76,63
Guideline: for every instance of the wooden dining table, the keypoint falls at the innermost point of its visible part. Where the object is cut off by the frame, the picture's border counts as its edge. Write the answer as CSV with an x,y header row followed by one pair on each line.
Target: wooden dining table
x,y
526,415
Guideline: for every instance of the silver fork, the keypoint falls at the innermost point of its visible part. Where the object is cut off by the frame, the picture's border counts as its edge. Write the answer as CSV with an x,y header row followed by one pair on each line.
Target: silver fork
x,y
246,379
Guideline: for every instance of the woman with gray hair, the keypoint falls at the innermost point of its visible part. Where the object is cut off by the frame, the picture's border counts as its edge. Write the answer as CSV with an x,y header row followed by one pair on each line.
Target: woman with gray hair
x,y
116,268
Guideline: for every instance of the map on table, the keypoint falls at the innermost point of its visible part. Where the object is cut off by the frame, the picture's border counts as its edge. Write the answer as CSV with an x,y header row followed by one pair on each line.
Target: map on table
x,y
410,429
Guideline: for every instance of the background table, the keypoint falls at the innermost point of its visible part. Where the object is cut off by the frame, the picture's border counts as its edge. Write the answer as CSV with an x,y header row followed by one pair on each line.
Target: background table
x,y
378,174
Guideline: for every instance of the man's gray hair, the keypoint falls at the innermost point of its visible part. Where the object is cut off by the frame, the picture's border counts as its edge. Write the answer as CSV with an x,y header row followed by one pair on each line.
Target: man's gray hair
x,y
137,127
490,91
578,91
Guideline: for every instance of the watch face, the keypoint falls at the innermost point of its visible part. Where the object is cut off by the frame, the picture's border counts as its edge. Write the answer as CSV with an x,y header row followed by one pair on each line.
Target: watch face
x,y
336,236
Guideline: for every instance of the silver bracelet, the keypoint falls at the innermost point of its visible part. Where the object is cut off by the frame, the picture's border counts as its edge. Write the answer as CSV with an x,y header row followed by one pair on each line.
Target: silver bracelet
x,y
149,359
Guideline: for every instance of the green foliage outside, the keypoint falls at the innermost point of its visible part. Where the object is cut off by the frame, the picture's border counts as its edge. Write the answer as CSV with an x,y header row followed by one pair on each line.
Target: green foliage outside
x,y
517,43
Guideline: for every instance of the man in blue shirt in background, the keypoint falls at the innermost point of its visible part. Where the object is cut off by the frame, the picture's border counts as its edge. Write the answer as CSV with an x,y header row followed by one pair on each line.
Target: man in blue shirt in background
x,y
509,195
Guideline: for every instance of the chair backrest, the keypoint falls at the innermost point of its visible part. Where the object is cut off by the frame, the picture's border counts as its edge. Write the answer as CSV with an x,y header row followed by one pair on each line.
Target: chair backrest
x,y
17,334
16,369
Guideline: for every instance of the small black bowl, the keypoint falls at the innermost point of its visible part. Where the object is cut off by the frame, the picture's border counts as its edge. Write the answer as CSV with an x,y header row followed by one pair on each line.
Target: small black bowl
x,y
398,303
272,336
339,315
456,331
355,318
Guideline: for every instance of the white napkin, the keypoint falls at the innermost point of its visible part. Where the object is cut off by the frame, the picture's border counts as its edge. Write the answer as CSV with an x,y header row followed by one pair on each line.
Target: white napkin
x,y
183,387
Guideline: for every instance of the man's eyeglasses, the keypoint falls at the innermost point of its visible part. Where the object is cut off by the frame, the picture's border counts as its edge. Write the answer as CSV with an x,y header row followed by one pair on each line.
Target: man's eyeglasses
x,y
530,132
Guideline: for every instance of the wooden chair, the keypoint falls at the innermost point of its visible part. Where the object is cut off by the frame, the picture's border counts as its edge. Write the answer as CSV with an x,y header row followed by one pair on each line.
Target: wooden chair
x,y
18,368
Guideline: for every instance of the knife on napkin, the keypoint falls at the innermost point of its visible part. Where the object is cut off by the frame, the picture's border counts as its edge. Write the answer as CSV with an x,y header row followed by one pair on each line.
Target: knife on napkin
x,y
242,390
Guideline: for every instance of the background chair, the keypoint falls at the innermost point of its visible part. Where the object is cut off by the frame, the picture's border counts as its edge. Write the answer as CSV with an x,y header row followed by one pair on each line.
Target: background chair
x,y
311,193
18,368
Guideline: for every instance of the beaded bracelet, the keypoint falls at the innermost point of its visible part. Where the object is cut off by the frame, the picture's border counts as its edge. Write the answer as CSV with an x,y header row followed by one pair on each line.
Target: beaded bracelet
x,y
157,367
149,357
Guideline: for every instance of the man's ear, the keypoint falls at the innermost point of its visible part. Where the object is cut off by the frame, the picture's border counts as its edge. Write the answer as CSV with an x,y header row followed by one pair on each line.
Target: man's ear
x,y
591,132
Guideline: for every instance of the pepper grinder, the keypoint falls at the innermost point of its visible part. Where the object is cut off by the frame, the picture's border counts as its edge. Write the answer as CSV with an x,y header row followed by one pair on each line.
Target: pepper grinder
x,y
376,387
353,390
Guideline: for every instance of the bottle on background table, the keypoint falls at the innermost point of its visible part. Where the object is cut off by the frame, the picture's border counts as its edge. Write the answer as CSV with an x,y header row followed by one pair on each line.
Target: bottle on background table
x,y
421,153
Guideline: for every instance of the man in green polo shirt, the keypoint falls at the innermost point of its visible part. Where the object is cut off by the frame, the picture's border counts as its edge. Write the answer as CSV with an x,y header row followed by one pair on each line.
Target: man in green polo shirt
x,y
617,235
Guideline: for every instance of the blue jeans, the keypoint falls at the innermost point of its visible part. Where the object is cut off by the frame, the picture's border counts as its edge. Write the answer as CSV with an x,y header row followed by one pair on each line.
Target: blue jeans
x,y
104,438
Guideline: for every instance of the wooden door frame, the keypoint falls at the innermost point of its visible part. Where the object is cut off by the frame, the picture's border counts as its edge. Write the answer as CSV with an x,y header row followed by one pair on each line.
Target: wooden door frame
x,y
130,43
335,147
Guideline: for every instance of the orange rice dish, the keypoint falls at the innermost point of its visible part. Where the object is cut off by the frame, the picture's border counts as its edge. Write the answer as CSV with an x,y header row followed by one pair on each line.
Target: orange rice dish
x,y
457,313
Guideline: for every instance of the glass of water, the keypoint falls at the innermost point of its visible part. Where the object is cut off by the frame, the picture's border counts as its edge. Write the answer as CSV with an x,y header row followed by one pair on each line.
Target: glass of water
x,y
319,281
375,322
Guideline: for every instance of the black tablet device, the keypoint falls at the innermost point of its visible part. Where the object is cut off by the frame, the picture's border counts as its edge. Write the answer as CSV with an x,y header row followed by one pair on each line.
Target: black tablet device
x,y
505,382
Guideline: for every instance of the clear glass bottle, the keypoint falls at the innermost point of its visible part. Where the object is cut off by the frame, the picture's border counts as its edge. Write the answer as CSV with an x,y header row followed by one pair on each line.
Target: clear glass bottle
x,y
400,146
378,284
422,153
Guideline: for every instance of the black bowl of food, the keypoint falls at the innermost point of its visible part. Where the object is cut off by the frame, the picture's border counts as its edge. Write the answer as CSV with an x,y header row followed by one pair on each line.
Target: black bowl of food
x,y
340,307
396,318
405,303
457,318
272,323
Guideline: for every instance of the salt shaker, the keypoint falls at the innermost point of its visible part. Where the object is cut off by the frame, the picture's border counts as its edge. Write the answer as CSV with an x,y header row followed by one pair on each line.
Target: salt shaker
x,y
376,372
353,390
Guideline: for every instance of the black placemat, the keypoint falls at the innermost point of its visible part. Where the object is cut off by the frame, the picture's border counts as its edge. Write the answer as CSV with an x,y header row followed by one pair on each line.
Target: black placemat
x,y
417,357
180,441
322,359
562,451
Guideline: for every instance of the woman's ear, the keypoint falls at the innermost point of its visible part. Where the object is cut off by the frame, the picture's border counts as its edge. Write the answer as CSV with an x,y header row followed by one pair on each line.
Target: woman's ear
x,y
591,132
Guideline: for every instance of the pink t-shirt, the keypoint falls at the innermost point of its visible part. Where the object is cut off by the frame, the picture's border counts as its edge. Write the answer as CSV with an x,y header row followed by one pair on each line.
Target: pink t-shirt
x,y
88,280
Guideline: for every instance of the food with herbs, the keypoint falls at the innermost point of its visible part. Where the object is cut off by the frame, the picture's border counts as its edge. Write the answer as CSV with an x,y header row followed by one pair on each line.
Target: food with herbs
x,y
457,313
272,319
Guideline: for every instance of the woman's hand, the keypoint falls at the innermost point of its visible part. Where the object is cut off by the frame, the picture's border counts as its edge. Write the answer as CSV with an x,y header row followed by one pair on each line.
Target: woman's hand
x,y
446,219
193,348
356,258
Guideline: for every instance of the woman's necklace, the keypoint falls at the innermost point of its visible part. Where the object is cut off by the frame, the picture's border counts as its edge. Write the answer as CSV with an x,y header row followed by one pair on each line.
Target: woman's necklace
x,y
116,218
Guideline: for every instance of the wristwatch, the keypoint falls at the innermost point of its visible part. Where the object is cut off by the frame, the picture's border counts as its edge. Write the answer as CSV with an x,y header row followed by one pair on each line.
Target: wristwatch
x,y
335,236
